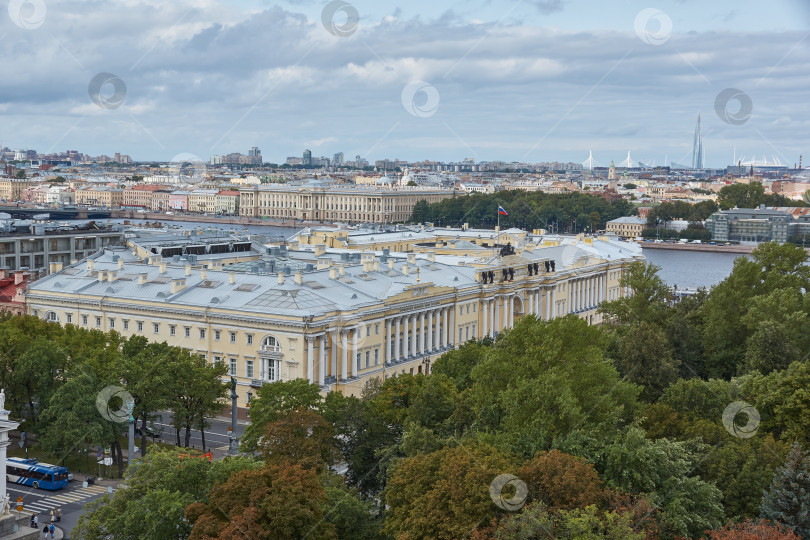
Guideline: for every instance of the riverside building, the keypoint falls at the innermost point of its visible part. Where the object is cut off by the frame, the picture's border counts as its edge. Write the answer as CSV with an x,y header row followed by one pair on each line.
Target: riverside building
x,y
336,317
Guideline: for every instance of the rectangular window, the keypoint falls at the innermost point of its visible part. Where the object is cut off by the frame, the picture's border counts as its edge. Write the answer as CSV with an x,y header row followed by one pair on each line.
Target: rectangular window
x,y
359,360
474,307
84,320
202,333
249,397
368,359
249,339
461,310
140,326
467,333
249,369
232,367
368,331
217,359
460,334
69,318
233,337
377,328
187,331
376,356
473,332
156,328
112,323
126,324
217,334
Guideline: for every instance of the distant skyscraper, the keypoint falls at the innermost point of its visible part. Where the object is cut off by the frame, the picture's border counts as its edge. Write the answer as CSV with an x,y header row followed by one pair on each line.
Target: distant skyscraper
x,y
338,159
307,158
697,147
254,151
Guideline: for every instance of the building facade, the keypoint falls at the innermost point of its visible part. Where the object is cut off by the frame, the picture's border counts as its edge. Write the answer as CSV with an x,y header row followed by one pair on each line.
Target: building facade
x,y
317,202
626,227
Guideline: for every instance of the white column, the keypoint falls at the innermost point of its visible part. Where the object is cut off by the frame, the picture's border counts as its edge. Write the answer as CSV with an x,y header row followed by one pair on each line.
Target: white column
x,y
322,366
354,352
387,342
530,295
552,305
484,321
335,347
311,358
422,338
414,321
452,326
437,340
496,322
397,336
510,314
446,320
344,358
429,333
406,339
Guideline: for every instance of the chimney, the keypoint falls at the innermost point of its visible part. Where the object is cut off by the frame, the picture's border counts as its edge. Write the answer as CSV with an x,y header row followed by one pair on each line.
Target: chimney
x,y
112,275
368,266
178,284
203,274
51,268
376,266
333,273
19,277
405,269
391,264
324,262
431,256
4,272
188,269
142,278
231,278
91,264
280,278
101,275
299,278
162,268
320,249
412,258
120,264
342,270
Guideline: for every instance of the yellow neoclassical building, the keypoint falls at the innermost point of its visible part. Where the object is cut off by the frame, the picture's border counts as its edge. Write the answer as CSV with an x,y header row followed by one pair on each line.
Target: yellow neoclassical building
x,y
316,201
334,317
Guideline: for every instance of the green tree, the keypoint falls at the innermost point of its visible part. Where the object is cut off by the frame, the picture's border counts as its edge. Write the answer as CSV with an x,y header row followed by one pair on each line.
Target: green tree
x,y
273,398
197,393
648,298
741,196
444,494
277,501
787,501
536,521
160,485
300,437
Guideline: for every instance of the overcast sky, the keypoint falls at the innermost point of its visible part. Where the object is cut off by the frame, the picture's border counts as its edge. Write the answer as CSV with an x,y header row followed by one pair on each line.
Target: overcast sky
x,y
530,80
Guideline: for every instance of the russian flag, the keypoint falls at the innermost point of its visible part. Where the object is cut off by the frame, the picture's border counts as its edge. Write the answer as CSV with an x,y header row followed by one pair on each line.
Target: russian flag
x,y
501,211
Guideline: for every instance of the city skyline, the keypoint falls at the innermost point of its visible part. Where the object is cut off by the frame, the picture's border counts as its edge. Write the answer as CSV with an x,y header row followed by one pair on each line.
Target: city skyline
x,y
533,82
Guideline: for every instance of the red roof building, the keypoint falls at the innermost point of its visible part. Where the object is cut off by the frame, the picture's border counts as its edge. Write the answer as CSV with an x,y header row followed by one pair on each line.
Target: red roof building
x,y
12,291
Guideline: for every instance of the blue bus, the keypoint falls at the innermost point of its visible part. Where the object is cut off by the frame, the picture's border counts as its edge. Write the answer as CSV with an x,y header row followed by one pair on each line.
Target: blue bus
x,y
30,472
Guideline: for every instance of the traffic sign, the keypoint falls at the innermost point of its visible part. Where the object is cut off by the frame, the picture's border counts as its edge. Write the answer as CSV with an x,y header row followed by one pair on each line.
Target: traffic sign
x,y
19,504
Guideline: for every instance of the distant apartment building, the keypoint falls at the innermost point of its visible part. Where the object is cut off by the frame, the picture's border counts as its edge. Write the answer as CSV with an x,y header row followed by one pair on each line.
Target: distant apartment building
x,y
321,202
139,197
11,189
160,200
752,225
227,202
202,201
103,196
626,227
178,201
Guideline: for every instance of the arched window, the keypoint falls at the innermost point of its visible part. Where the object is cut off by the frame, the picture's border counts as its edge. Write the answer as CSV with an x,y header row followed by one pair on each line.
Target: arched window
x,y
271,344
51,316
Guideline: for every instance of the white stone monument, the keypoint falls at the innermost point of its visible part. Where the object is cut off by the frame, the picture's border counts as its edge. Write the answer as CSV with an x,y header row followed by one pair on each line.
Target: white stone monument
x,y
13,525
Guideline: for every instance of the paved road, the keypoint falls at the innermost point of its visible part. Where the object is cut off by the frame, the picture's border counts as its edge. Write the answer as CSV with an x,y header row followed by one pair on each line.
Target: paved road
x,y
69,499
216,436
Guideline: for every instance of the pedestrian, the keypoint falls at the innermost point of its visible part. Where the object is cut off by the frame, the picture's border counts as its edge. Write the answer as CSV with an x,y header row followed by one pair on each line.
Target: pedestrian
x,y
52,528
32,525
52,514
36,521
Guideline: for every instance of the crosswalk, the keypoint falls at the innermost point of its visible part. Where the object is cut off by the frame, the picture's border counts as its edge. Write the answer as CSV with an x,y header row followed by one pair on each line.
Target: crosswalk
x,y
46,504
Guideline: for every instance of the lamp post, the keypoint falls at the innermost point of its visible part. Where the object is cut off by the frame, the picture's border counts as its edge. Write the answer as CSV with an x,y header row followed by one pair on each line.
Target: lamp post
x,y
233,447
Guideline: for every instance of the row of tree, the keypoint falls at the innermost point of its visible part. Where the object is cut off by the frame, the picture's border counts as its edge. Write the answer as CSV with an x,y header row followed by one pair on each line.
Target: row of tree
x,y
561,212
54,377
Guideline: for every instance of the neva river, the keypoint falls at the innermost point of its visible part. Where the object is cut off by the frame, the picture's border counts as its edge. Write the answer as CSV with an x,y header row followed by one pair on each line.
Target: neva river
x,y
692,269
686,269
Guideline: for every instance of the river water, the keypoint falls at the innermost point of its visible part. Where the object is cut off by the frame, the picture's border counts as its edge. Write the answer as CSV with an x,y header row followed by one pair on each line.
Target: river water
x,y
686,269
